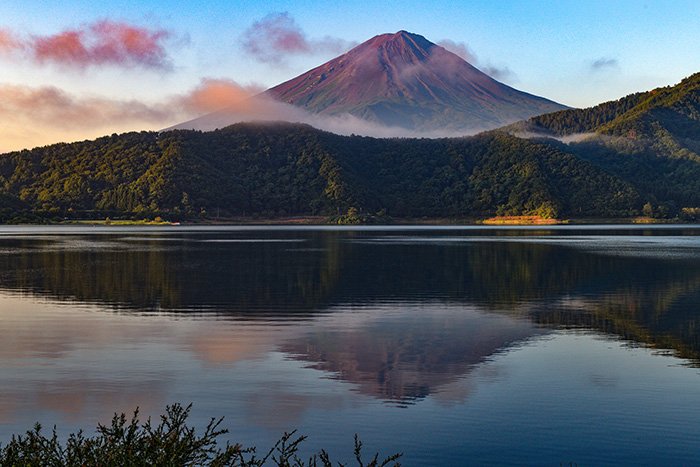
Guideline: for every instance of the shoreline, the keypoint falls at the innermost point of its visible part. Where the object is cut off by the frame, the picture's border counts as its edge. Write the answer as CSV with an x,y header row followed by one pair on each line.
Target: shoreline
x,y
325,221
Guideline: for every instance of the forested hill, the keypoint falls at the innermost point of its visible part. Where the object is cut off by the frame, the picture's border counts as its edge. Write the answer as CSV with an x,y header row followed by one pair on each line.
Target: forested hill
x,y
676,109
290,169
650,139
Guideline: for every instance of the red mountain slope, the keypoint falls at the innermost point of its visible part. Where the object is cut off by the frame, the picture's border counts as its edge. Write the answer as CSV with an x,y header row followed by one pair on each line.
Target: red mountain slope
x,y
405,80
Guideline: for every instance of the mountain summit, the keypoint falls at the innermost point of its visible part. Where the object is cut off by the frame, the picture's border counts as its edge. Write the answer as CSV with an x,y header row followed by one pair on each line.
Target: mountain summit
x,y
392,85
404,80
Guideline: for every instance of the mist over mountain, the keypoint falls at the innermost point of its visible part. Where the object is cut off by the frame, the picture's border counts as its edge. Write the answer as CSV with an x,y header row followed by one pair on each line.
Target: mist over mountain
x,y
391,85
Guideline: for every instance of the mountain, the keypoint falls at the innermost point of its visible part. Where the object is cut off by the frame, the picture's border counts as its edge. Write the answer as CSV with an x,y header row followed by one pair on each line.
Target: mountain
x,y
649,139
671,111
405,80
402,81
291,169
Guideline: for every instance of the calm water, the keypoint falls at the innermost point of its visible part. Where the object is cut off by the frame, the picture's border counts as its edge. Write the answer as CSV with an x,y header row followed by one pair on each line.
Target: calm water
x,y
453,345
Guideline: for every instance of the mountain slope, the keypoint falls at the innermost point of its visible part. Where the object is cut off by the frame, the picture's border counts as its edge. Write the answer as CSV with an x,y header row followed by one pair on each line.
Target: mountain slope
x,y
649,139
404,80
674,110
282,169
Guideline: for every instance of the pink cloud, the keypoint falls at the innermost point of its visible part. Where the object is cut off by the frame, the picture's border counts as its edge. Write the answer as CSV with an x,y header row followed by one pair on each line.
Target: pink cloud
x,y
277,36
274,36
216,94
123,43
56,108
103,42
66,47
33,116
8,41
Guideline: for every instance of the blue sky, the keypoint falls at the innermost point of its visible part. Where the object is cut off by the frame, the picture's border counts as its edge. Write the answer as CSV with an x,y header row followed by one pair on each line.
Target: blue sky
x,y
577,53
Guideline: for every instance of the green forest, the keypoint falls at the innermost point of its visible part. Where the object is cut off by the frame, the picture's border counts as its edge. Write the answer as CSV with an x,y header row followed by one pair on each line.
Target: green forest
x,y
639,156
291,169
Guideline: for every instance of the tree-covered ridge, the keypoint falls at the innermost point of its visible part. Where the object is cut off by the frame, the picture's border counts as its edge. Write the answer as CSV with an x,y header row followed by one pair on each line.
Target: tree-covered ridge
x,y
488,174
673,108
77,175
573,121
651,140
291,169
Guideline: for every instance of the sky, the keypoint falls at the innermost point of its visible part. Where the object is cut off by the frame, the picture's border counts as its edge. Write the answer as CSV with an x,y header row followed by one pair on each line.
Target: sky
x,y
81,69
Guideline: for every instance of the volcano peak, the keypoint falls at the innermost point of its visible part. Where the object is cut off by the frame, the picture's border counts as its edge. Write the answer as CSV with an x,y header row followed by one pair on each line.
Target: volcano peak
x,y
401,83
402,79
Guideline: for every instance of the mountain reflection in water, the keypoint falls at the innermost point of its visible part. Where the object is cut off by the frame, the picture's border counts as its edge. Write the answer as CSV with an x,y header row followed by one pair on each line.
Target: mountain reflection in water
x,y
407,352
292,275
268,322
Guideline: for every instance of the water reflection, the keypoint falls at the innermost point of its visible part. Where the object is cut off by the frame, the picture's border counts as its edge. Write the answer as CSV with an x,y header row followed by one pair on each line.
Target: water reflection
x,y
56,359
399,354
616,284
406,352
300,328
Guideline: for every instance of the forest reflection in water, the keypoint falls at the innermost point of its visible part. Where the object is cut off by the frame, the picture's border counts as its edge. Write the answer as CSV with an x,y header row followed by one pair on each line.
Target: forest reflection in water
x,y
97,322
641,288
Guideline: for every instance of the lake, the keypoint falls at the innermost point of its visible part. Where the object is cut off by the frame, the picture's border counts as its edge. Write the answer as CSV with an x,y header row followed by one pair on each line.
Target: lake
x,y
454,345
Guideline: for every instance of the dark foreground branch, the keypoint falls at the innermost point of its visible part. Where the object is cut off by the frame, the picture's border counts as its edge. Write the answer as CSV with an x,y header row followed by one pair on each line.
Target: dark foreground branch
x,y
171,443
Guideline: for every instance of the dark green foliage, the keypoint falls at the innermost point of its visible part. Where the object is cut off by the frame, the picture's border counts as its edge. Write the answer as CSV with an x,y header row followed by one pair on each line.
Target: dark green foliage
x,y
285,169
675,109
650,140
660,179
171,443
572,121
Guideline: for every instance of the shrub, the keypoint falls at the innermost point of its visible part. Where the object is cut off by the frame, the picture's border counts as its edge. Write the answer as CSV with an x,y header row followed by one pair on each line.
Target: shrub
x,y
171,443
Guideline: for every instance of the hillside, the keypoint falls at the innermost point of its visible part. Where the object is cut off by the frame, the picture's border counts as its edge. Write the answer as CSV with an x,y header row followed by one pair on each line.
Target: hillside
x,y
649,139
290,169
674,110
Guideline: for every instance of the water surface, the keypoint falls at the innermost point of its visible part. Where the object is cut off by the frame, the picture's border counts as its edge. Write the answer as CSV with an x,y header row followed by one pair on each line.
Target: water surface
x,y
541,345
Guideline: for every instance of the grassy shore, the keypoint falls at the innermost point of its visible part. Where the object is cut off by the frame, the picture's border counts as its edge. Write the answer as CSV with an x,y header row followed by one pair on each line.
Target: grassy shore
x,y
522,220
120,222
